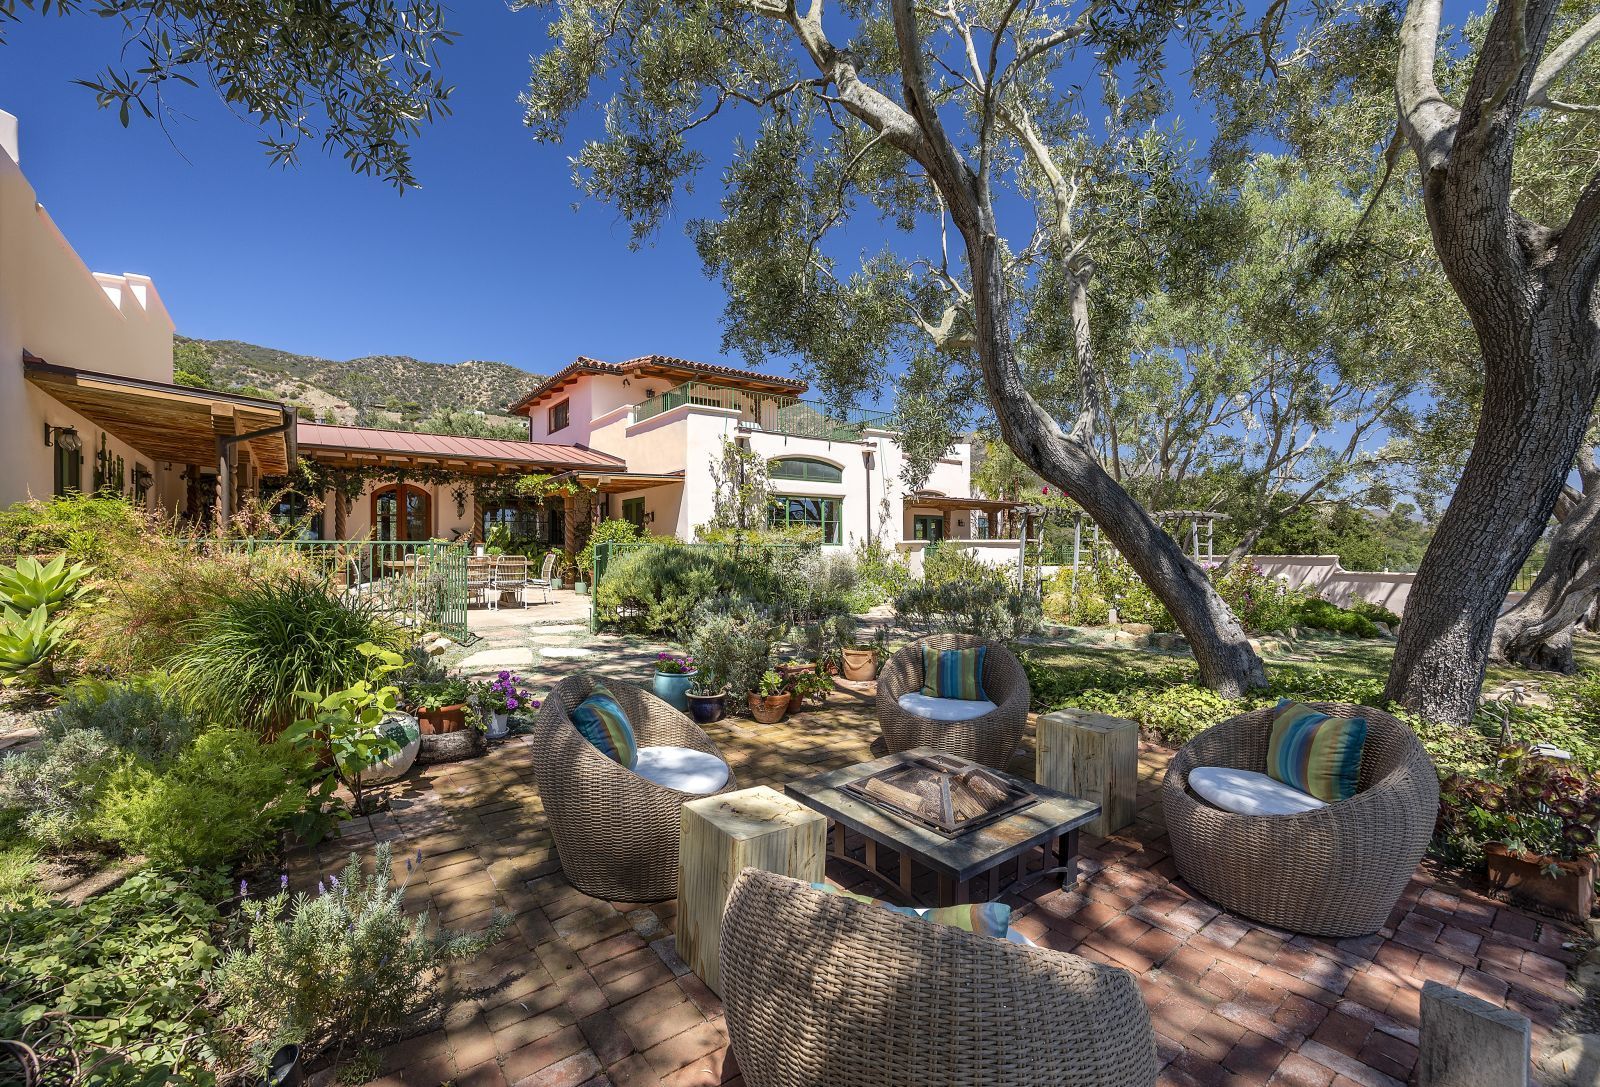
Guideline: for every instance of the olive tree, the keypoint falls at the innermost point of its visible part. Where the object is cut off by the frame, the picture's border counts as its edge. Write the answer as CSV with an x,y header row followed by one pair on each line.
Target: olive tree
x,y
360,78
946,123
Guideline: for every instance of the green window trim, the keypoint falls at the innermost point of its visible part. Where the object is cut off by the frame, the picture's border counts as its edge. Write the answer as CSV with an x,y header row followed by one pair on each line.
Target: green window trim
x,y
808,469
633,512
927,526
809,511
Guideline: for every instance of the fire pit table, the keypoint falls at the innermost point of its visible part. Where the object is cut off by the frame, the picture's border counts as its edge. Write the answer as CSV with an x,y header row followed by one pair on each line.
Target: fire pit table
x,y
961,820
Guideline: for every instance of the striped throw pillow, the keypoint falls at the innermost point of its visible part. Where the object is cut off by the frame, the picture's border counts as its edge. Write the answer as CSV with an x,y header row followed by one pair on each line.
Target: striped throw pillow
x,y
983,918
1316,753
601,721
953,673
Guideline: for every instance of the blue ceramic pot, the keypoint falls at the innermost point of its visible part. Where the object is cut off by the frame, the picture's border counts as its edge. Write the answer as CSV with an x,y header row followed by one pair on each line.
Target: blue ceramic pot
x,y
671,689
704,709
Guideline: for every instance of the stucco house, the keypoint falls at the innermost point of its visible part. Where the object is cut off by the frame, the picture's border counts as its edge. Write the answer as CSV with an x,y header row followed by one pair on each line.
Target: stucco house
x,y
88,403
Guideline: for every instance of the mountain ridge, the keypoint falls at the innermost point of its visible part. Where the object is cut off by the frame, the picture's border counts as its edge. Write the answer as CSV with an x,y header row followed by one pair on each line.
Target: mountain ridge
x,y
371,390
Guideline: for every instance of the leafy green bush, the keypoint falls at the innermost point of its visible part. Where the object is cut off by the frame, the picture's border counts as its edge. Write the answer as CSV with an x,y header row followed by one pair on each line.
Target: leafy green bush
x,y
612,531
733,646
51,791
143,716
19,877
227,796
656,589
988,608
340,967
117,983
86,528
1375,612
1103,583
881,575
1318,614
1259,600
245,661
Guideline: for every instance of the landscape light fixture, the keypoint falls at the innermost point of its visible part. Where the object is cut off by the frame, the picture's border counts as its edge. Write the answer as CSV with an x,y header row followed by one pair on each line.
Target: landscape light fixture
x,y
64,437
142,478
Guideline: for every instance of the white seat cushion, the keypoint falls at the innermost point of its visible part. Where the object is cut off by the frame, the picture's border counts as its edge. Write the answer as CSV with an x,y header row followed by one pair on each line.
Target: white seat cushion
x,y
1246,792
683,769
945,709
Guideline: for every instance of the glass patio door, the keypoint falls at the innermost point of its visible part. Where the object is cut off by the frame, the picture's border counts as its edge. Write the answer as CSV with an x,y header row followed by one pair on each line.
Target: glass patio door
x,y
401,512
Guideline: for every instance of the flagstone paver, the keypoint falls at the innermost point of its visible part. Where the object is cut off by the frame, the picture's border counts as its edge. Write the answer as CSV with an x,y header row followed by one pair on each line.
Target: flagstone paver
x,y
586,993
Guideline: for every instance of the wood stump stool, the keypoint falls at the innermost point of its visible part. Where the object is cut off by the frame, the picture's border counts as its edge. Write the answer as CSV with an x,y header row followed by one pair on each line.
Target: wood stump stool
x,y
1093,757
721,837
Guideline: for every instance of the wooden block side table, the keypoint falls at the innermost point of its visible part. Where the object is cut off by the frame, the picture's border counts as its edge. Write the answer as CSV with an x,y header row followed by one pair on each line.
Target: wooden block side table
x,y
1095,757
721,837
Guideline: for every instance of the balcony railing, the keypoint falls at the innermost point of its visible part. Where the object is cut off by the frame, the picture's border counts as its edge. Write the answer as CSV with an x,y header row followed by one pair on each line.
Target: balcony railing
x,y
766,412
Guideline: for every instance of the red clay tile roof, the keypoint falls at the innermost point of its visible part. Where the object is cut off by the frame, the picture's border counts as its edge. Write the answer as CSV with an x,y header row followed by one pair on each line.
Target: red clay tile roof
x,y
348,439
665,365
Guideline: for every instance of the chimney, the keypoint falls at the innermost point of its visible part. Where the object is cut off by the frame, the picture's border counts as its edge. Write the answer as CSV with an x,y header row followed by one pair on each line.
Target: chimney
x,y
8,136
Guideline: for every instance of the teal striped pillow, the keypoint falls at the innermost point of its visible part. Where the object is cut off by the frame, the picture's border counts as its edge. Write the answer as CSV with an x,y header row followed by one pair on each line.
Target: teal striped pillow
x,y
1316,753
953,673
984,918
599,718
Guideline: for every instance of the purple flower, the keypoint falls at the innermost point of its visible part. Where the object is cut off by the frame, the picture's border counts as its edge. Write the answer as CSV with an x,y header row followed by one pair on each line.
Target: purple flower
x,y
283,882
505,675
512,703
535,704
320,888
244,888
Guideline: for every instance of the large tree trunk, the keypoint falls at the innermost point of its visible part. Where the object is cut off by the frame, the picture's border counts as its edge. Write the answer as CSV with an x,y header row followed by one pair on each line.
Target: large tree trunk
x,y
1227,662
1536,631
1532,296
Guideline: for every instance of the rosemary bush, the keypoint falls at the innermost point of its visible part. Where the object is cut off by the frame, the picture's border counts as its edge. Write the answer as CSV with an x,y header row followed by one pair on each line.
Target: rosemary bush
x,y
341,967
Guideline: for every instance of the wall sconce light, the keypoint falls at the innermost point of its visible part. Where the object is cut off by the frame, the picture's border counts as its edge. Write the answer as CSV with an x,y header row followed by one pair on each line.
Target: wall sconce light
x,y
64,437
650,517
142,478
627,382
961,524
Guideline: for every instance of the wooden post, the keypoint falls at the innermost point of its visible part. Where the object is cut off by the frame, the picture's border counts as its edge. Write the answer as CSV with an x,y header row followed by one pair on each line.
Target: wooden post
x,y
1094,757
721,837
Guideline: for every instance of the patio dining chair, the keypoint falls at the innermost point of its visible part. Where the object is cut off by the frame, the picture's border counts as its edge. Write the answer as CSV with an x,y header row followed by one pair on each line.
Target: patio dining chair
x,y
480,581
511,576
547,576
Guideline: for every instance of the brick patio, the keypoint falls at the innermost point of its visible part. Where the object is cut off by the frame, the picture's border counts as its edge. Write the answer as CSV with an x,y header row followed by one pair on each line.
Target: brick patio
x,y
585,992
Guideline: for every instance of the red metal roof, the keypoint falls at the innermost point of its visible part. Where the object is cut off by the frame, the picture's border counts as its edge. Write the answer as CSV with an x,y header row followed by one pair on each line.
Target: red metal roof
x,y
349,439
666,364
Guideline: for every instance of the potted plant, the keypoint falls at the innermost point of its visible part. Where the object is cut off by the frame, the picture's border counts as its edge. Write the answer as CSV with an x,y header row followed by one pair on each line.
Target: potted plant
x,y
496,700
349,726
770,700
675,674
861,662
1534,818
809,688
440,705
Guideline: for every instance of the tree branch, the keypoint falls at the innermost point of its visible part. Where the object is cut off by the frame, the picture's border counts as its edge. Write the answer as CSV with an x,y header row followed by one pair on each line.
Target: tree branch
x,y
1559,59
1428,121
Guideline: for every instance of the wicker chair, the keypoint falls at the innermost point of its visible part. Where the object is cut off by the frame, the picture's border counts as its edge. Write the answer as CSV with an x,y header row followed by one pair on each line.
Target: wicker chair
x,y
1336,871
991,739
615,832
824,991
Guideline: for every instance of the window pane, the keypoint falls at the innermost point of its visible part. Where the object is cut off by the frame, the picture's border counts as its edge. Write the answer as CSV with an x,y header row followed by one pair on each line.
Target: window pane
x,y
798,511
805,468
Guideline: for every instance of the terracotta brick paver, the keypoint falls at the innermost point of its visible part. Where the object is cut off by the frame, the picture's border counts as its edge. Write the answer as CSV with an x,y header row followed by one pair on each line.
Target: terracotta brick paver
x,y
584,993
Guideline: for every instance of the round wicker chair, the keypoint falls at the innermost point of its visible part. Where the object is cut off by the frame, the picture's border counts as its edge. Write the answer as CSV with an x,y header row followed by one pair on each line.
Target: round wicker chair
x,y
1336,871
991,739
615,832
824,991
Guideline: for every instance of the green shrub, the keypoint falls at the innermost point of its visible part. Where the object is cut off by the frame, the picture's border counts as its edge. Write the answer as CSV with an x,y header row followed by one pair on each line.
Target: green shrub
x,y
19,877
1318,614
1375,612
143,716
29,644
86,528
245,661
987,608
340,967
656,589
1260,601
881,575
226,797
612,531
51,791
733,646
117,983
33,584
942,565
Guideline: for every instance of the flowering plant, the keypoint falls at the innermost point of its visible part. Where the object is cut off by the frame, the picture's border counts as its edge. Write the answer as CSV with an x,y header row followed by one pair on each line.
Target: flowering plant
x,y
1532,803
674,664
503,694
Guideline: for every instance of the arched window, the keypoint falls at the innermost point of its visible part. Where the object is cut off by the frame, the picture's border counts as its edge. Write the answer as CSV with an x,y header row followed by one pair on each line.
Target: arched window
x,y
401,511
806,468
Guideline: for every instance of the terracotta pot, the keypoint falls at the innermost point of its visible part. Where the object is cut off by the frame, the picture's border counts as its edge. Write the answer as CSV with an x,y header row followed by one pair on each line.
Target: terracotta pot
x,y
442,720
1526,878
769,709
859,663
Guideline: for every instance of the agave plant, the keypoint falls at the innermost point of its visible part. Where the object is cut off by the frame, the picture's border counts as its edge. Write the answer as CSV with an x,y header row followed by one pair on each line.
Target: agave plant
x,y
27,645
33,584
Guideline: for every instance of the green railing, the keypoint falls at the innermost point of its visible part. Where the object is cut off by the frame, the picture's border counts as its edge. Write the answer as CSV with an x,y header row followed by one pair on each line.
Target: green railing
x,y
766,412
419,584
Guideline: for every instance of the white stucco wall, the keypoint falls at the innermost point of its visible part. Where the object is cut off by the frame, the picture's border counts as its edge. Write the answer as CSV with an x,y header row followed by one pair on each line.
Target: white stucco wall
x,y
53,306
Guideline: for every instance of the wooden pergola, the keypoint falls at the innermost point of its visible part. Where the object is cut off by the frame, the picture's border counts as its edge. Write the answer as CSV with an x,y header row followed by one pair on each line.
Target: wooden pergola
x,y
242,436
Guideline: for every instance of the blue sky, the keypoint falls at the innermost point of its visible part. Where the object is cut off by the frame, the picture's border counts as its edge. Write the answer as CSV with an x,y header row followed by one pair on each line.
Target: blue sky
x,y
488,260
